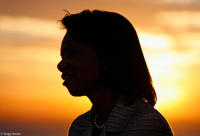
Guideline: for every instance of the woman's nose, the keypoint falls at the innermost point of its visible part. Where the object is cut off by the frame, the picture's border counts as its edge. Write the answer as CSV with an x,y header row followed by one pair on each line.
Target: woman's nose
x,y
64,64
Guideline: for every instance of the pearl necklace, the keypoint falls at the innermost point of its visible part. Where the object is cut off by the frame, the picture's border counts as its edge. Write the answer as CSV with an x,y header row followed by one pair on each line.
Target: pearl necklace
x,y
95,123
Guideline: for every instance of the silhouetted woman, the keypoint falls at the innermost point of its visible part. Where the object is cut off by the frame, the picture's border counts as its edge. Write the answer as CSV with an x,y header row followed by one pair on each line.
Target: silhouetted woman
x,y
103,60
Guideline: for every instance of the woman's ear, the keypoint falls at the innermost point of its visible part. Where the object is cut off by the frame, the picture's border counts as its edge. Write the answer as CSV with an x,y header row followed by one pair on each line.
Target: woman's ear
x,y
101,60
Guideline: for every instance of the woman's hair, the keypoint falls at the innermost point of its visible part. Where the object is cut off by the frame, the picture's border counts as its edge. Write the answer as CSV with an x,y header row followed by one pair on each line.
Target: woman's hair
x,y
122,64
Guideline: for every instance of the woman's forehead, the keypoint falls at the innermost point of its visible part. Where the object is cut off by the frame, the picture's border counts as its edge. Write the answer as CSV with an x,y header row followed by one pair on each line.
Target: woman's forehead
x,y
68,44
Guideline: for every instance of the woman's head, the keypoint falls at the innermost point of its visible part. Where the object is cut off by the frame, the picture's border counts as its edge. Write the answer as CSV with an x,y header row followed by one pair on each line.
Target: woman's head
x,y
121,64
79,66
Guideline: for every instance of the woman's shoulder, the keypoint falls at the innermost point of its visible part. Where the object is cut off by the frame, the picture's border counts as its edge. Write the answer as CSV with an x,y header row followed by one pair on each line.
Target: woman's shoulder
x,y
80,124
149,120
81,121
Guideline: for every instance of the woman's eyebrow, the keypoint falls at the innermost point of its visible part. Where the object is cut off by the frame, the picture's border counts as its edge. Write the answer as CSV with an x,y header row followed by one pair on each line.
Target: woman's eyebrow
x,y
69,49
61,53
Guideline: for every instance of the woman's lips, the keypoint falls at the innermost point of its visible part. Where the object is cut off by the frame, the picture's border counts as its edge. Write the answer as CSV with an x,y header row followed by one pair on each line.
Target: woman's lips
x,y
66,76
66,79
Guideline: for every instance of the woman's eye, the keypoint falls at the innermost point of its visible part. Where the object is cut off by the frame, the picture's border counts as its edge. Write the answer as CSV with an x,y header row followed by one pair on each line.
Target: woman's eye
x,y
72,53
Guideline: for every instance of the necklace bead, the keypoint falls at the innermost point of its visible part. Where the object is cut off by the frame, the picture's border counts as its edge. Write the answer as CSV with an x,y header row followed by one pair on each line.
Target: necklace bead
x,y
95,123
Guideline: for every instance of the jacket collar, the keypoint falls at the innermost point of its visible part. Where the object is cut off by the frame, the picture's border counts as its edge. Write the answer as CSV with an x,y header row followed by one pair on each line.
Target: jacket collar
x,y
118,117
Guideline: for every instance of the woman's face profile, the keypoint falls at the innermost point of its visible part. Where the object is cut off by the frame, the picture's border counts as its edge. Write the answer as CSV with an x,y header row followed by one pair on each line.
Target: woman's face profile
x,y
79,66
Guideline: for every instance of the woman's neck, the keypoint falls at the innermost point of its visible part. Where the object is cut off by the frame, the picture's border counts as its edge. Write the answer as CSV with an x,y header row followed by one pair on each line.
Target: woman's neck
x,y
103,102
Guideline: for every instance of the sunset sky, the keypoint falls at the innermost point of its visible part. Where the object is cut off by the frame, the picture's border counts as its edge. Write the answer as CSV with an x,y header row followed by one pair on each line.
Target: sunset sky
x,y
31,88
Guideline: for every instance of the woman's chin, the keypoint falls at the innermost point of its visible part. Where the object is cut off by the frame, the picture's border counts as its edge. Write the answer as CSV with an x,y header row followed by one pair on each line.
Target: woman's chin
x,y
73,91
